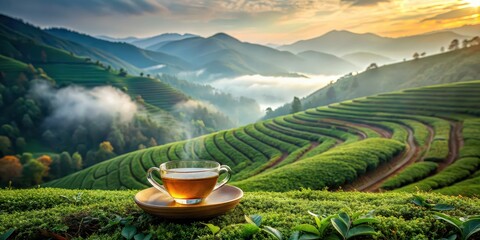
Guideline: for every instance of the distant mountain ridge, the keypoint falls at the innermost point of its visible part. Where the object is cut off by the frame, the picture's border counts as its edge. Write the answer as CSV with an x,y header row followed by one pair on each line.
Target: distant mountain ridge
x,y
136,56
345,42
113,39
364,59
151,43
224,53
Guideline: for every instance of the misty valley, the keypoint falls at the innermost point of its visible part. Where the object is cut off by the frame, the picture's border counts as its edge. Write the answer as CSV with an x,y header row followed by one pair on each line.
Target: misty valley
x,y
206,135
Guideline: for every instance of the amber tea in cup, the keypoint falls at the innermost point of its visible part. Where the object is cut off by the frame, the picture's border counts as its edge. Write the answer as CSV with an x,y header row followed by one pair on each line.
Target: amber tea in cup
x,y
189,182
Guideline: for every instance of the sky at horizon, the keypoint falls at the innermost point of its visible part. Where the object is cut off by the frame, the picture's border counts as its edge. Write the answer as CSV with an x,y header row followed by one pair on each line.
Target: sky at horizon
x,y
259,21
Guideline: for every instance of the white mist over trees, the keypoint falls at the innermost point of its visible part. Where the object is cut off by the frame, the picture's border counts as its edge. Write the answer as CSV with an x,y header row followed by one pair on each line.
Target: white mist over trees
x,y
76,104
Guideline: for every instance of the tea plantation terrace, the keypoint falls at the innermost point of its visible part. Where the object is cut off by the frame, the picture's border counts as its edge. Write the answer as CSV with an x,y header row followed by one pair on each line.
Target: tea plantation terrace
x,y
434,129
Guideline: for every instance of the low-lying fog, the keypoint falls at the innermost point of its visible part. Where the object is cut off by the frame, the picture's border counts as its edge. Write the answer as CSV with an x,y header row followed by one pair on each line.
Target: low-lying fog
x,y
273,91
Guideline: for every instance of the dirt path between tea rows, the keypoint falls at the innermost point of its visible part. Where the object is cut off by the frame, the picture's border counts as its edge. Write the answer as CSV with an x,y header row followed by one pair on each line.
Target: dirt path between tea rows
x,y
372,180
454,144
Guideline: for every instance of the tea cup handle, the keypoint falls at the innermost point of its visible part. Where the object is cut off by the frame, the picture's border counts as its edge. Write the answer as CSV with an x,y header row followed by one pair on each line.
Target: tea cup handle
x,y
154,183
223,169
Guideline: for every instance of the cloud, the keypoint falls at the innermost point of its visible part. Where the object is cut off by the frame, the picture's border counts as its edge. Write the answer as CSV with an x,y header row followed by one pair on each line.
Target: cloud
x,y
457,13
52,8
272,91
363,2
75,105
189,106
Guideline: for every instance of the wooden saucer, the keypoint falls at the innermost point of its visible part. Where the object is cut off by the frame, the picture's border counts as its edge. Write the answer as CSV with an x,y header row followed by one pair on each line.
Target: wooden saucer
x,y
218,202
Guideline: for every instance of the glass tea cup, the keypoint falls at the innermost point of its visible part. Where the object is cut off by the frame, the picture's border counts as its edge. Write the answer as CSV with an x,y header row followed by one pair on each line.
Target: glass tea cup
x,y
189,182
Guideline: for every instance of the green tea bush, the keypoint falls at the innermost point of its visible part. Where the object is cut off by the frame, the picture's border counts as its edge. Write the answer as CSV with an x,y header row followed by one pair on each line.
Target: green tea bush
x,y
99,214
410,174
280,136
469,187
470,148
438,151
333,168
459,170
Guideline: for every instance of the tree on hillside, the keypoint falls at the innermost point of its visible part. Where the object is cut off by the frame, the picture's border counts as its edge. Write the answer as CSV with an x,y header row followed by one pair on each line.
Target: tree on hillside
x,y
475,41
20,144
5,146
296,105
33,172
442,49
372,66
26,157
268,111
49,137
423,54
27,121
10,169
152,142
77,161
55,167
465,43
122,72
331,94
453,45
105,152
416,56
141,74
46,161
66,164
115,137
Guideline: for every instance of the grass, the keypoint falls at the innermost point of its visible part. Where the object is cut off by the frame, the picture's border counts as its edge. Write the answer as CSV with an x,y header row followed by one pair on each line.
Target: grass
x,y
86,213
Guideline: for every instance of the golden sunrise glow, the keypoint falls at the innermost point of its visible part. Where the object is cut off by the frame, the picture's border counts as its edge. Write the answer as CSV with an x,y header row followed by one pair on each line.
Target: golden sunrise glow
x,y
473,3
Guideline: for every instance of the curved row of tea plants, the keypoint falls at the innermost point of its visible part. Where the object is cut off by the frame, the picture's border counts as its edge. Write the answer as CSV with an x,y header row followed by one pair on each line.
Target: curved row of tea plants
x,y
267,149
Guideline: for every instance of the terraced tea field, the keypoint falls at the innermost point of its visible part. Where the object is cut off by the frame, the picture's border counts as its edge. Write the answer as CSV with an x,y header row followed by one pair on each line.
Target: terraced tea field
x,y
66,68
424,138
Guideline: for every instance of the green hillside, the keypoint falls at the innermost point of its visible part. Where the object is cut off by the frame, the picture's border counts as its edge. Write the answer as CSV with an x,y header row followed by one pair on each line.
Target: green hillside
x,y
129,53
15,30
355,144
453,66
93,214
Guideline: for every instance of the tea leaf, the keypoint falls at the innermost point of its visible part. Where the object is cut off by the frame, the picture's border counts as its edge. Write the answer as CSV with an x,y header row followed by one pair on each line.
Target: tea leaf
x,y
309,236
340,226
129,231
361,230
7,234
451,237
249,229
142,236
453,221
419,201
345,218
324,224
317,219
274,232
254,219
214,229
307,228
471,227
295,235
443,207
